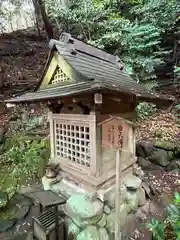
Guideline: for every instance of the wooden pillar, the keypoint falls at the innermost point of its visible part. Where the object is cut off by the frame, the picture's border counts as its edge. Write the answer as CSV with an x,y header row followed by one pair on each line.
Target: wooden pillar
x,y
99,164
96,151
52,136
96,147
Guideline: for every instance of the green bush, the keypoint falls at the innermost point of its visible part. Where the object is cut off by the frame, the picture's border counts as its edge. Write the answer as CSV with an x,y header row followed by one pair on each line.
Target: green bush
x,y
23,160
145,110
170,225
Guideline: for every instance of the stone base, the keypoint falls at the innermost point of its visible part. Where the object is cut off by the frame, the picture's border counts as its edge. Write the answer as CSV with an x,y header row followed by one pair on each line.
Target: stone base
x,y
92,217
91,213
66,186
63,187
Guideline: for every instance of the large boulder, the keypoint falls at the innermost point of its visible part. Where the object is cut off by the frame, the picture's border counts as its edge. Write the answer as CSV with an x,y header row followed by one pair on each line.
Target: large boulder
x,y
146,165
22,212
173,165
5,225
83,210
160,157
144,149
153,166
139,150
148,148
166,145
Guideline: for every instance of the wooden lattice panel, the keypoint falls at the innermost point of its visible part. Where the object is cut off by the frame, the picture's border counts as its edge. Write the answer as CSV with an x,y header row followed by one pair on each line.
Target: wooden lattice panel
x,y
72,142
60,77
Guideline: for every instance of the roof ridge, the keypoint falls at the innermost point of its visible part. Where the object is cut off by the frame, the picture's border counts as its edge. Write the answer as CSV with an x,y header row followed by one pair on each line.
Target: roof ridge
x,y
89,49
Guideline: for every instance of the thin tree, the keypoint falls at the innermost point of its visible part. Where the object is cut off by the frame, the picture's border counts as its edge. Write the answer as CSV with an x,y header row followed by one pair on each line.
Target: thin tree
x,y
39,6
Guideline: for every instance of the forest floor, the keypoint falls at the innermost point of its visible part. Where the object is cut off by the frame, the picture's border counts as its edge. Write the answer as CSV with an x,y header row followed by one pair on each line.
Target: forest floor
x,y
167,183
22,59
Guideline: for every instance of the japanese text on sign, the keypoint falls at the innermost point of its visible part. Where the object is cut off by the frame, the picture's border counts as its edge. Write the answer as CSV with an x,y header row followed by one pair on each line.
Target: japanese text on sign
x,y
113,134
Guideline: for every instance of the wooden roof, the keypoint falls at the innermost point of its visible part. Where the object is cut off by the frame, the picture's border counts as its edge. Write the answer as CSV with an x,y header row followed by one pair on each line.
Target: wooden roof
x,y
90,70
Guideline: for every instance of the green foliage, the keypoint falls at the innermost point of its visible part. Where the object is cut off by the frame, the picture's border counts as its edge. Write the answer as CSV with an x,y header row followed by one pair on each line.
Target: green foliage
x,y
160,13
145,110
178,106
132,29
25,123
157,229
172,222
176,72
174,215
23,160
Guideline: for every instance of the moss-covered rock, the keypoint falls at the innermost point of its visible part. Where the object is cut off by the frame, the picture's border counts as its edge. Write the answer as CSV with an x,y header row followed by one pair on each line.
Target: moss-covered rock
x,y
73,230
160,157
166,145
112,196
132,182
89,233
93,233
141,196
132,200
170,155
111,218
111,222
83,210
144,149
5,225
102,223
173,165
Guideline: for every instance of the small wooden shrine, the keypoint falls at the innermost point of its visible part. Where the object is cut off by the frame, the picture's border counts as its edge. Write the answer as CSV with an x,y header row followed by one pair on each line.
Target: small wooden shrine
x,y
84,87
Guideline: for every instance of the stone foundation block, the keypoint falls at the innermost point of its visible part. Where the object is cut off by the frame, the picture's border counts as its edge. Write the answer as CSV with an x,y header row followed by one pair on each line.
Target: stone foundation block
x,y
132,182
93,233
83,211
141,196
132,200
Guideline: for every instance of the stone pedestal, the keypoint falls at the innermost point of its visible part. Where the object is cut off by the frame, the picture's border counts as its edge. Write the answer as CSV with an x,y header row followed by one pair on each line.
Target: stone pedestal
x,y
91,215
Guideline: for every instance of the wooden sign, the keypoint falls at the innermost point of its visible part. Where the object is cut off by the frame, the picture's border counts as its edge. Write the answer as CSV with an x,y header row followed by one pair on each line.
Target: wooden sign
x,y
115,135
113,132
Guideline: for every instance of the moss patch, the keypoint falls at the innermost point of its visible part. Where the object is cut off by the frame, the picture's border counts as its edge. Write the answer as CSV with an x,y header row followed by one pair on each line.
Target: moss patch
x,y
167,145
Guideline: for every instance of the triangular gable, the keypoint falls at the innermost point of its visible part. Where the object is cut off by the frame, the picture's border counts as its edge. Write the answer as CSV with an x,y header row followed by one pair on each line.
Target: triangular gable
x,y
58,72
59,77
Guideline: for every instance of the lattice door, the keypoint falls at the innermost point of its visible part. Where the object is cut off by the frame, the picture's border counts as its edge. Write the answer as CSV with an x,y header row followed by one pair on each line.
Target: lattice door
x,y
72,142
60,77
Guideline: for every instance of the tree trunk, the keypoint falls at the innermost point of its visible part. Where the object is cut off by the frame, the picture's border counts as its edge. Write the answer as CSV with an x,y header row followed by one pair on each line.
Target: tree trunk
x,y
37,16
47,24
